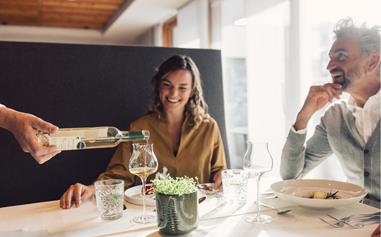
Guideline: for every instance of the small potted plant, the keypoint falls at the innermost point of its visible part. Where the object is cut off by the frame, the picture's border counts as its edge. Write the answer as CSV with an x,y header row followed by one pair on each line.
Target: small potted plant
x,y
176,204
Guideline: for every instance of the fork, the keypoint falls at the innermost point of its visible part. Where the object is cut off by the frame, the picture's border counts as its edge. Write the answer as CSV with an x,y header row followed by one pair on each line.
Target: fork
x,y
368,218
278,211
332,225
342,221
363,216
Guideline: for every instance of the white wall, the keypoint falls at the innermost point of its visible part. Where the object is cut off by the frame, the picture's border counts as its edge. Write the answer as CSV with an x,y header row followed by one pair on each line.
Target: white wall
x,y
192,26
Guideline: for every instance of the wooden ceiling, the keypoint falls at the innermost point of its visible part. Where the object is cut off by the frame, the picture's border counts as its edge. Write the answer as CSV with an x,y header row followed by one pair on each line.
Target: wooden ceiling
x,y
83,14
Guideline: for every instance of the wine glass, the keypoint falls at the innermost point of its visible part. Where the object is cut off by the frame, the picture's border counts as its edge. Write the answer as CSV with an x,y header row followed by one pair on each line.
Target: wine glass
x,y
143,162
257,161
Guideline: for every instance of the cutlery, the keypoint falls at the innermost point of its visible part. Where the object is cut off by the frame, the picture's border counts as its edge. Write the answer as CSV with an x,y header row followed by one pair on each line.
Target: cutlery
x,y
201,199
278,211
205,187
366,216
332,225
341,222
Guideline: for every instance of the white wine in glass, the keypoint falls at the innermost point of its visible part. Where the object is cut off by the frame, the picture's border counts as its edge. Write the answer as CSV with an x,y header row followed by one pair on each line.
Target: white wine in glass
x,y
257,161
143,163
143,172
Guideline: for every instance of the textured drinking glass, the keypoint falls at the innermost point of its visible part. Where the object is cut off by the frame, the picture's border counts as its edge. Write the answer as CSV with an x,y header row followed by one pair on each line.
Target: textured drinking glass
x,y
234,182
109,196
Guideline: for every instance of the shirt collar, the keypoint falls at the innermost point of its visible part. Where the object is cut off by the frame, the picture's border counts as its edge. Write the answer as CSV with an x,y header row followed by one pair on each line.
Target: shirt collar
x,y
372,101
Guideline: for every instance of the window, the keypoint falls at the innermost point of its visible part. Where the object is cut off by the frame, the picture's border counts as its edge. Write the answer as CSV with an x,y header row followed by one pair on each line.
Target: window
x,y
273,51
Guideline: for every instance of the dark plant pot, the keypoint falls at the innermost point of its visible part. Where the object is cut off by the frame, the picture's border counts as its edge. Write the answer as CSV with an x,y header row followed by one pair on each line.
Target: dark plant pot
x,y
177,215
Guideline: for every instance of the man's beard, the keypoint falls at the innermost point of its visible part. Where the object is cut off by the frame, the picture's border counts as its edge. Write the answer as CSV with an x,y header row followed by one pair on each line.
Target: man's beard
x,y
340,77
346,78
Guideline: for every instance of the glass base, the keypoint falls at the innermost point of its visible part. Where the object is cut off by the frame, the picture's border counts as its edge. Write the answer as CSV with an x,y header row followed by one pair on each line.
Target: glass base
x,y
260,219
143,219
111,217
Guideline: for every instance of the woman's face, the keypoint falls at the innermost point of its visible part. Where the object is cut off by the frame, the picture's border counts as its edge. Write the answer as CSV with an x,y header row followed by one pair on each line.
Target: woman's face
x,y
175,90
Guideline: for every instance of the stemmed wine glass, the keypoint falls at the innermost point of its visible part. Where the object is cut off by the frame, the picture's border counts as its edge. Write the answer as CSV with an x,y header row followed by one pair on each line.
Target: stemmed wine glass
x,y
143,162
257,161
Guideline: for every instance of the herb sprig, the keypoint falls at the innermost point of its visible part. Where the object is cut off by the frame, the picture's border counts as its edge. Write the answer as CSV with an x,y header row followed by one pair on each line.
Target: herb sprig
x,y
167,185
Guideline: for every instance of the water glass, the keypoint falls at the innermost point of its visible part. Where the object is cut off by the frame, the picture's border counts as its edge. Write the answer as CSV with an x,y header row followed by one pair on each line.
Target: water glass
x,y
109,197
234,182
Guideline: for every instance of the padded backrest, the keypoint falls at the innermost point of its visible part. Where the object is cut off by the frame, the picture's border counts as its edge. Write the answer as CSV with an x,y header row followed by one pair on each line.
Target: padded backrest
x,y
82,86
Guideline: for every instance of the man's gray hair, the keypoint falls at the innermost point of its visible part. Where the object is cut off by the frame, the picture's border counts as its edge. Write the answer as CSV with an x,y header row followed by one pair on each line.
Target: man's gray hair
x,y
369,37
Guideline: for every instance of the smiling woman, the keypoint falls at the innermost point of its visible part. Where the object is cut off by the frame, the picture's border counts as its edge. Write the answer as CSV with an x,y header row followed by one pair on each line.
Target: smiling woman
x,y
187,140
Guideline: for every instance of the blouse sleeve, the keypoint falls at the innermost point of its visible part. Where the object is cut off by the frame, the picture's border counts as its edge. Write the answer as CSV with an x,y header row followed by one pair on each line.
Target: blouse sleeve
x,y
218,161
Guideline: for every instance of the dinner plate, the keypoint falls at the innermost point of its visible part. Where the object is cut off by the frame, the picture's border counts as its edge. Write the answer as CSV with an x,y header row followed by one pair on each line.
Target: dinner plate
x,y
300,191
132,195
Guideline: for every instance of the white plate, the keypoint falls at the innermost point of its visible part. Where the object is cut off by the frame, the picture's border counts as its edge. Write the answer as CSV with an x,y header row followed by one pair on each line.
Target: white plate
x,y
298,191
132,195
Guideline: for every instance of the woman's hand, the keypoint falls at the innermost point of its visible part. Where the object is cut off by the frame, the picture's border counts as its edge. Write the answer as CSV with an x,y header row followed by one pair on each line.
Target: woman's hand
x,y
217,179
76,194
376,232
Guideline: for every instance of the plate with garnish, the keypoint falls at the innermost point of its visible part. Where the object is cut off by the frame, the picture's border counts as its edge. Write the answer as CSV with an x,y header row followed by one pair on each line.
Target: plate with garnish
x,y
318,193
133,195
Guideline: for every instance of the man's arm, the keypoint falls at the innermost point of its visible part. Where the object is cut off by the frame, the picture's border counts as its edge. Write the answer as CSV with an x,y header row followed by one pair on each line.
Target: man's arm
x,y
298,159
25,127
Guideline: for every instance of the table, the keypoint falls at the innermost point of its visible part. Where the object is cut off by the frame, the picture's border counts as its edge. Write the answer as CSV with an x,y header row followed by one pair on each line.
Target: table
x,y
216,219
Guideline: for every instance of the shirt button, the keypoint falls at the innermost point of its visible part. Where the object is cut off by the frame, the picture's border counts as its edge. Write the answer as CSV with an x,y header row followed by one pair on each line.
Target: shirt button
x,y
366,151
366,173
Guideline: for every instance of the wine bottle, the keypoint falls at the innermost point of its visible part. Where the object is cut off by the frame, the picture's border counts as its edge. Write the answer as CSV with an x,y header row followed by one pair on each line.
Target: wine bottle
x,y
89,138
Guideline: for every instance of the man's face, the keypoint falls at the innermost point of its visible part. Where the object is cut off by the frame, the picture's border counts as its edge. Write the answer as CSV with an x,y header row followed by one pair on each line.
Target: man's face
x,y
346,64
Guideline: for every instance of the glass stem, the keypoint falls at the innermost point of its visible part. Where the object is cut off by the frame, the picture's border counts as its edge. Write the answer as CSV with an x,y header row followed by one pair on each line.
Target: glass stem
x,y
144,197
258,178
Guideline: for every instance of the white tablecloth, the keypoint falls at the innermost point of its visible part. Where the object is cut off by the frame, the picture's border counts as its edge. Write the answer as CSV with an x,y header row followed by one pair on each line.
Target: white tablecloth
x,y
47,219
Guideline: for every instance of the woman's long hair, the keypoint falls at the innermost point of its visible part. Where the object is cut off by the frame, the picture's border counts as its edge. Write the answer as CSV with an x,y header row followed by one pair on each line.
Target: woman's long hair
x,y
196,108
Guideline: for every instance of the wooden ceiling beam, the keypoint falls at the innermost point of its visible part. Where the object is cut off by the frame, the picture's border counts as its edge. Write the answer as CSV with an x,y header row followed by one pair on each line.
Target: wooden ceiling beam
x,y
50,23
18,12
73,18
93,14
19,2
64,10
89,5
18,20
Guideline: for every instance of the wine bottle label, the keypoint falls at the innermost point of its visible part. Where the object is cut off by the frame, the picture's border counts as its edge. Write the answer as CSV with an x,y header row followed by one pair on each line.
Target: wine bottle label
x,y
89,138
72,139
67,143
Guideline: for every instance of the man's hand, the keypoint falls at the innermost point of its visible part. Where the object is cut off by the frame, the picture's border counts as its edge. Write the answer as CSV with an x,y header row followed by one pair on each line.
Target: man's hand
x,y
76,194
317,98
25,127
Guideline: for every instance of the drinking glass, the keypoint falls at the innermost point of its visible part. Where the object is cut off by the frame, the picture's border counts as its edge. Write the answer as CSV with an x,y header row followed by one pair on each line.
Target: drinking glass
x,y
234,182
257,161
109,198
143,162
